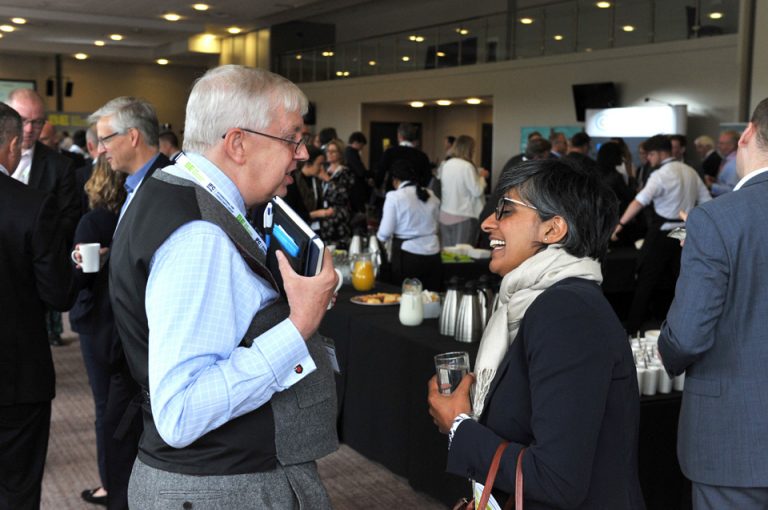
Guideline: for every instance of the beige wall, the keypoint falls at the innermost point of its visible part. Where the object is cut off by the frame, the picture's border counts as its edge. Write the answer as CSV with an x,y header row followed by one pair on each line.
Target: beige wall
x,y
97,82
437,123
538,91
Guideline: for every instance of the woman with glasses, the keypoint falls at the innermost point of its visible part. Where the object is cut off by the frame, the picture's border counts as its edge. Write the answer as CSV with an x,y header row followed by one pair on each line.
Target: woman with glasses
x,y
462,187
336,215
554,373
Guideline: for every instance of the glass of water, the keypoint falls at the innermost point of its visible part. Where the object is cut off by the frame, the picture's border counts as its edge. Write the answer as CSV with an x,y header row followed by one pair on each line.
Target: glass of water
x,y
451,368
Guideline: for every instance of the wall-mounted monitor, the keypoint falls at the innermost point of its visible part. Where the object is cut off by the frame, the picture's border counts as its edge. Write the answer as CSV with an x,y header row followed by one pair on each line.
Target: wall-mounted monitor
x,y
6,86
593,95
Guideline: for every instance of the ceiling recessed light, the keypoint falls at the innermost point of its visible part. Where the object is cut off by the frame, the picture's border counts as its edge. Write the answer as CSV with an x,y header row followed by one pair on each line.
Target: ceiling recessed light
x,y
7,28
1,36
462,31
406,58
298,57
603,5
99,43
444,102
371,62
346,73
440,53
201,7
81,56
715,15
171,16
588,50
417,104
339,73
18,21
526,21
327,53
234,30
558,37
116,37
474,100
163,61
628,28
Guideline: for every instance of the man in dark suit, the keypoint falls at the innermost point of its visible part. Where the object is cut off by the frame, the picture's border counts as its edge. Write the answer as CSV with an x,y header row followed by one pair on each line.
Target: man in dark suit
x,y
715,332
45,169
128,137
35,272
710,159
41,167
407,134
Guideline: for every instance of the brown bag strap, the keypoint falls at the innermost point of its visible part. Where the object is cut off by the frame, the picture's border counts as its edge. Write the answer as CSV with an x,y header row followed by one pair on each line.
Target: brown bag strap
x,y
518,483
492,474
491,478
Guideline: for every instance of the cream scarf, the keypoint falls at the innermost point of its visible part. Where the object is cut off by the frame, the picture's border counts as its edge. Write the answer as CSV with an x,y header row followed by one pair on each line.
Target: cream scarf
x,y
518,289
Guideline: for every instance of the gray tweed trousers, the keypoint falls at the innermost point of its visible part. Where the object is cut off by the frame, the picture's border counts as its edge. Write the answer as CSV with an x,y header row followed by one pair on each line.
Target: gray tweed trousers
x,y
296,487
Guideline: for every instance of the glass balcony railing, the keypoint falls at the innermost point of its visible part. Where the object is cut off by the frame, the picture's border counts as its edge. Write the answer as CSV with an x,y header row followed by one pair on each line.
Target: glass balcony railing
x,y
552,29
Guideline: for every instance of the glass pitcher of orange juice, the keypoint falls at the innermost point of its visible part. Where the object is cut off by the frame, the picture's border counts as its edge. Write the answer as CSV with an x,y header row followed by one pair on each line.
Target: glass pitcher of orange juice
x,y
362,271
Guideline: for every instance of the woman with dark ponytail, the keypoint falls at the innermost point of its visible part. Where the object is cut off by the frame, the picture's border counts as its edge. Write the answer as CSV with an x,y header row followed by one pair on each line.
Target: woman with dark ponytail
x,y
410,219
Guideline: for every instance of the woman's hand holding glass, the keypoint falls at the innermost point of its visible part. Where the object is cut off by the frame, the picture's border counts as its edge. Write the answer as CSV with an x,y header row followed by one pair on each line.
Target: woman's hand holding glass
x,y
444,408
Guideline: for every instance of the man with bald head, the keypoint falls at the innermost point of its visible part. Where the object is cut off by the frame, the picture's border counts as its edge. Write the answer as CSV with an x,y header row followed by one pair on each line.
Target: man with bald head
x,y
41,167
45,169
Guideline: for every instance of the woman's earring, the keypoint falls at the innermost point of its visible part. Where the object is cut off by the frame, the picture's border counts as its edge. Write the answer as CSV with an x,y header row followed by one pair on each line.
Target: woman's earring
x,y
545,238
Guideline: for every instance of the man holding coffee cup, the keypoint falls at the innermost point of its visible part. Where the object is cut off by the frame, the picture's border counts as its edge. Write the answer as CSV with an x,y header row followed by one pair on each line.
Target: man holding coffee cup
x,y
715,332
239,391
34,273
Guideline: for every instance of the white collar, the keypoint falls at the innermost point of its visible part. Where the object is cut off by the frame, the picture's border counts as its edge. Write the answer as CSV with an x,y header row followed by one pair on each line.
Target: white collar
x,y
4,171
747,177
406,143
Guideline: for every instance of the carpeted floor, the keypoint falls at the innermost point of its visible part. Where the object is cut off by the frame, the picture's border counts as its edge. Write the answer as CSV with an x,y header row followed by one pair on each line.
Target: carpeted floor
x,y
352,481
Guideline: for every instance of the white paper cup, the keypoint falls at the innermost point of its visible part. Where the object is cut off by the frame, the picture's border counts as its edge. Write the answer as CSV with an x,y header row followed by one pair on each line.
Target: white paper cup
x,y
679,382
650,381
89,257
664,382
640,378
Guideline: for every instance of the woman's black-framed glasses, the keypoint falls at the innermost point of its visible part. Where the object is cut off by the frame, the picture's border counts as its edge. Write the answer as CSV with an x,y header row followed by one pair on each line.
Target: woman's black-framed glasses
x,y
504,200
297,145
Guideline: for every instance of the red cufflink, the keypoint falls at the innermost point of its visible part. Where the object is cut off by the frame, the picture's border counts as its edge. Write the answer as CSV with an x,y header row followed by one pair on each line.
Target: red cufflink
x,y
298,369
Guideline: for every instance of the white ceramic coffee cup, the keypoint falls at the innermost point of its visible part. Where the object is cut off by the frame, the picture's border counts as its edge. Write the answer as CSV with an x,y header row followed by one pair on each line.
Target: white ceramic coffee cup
x,y
338,284
89,257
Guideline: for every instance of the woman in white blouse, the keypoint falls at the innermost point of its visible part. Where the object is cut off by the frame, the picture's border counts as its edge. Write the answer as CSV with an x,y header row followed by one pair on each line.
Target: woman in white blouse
x,y
463,189
410,219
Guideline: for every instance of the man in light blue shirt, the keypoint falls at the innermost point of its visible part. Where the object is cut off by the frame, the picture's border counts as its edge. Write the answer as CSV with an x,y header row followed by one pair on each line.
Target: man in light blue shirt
x,y
188,290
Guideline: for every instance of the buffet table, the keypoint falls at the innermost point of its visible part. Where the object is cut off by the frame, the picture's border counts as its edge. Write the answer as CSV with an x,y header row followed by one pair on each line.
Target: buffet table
x,y
382,392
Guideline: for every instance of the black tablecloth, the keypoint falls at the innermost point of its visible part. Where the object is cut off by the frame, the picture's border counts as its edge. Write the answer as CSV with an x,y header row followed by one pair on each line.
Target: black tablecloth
x,y
383,403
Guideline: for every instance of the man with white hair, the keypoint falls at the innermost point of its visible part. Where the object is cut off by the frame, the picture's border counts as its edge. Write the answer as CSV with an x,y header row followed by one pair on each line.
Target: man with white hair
x,y
239,391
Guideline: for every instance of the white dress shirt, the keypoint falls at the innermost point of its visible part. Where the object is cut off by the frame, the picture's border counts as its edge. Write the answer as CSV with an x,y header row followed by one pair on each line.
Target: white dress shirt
x,y
407,217
25,165
673,188
3,170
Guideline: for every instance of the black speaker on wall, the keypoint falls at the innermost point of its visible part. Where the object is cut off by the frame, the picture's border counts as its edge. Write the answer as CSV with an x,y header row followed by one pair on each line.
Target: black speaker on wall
x,y
49,87
68,89
593,95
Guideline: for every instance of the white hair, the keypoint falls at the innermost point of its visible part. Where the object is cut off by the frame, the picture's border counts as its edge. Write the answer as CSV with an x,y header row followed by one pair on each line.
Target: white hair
x,y
704,141
130,112
232,96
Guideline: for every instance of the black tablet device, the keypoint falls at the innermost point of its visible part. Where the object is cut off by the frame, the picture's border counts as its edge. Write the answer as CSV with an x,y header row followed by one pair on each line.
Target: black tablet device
x,y
287,232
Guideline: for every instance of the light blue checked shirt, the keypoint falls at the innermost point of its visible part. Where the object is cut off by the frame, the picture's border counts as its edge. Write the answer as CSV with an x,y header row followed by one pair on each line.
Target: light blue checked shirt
x,y
200,299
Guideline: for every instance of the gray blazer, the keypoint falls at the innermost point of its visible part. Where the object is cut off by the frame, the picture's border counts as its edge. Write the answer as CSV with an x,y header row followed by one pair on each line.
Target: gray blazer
x,y
717,331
